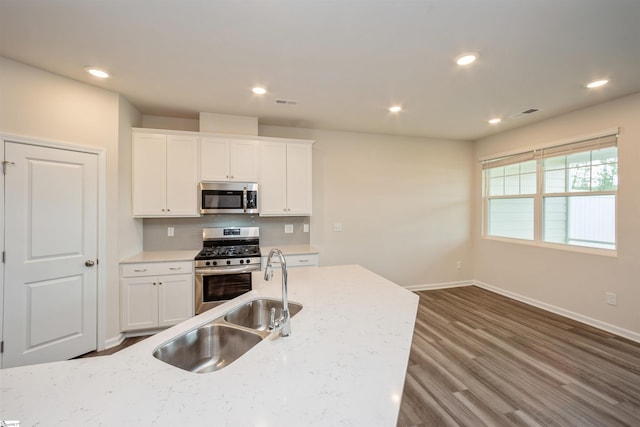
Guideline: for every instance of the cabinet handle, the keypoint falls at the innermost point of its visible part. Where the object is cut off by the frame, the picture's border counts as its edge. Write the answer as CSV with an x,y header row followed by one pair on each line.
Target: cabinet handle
x,y
159,283
154,283
168,210
140,270
162,209
175,268
303,260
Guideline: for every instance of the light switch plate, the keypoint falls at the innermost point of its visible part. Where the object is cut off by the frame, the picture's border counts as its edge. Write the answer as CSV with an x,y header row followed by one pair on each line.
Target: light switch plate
x,y
305,228
170,231
337,227
288,228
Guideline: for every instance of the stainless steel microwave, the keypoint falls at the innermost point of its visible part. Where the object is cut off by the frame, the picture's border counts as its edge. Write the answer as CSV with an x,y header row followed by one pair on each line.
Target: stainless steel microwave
x,y
228,198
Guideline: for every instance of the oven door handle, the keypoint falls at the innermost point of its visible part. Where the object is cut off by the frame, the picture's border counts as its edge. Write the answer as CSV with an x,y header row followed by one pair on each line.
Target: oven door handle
x,y
232,269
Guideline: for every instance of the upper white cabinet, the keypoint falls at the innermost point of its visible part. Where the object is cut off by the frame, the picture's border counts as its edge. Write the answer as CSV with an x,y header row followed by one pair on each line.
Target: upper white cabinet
x,y
224,159
165,175
285,178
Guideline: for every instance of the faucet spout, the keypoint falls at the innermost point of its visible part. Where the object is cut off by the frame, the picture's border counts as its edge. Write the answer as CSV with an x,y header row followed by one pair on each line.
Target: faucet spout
x,y
283,324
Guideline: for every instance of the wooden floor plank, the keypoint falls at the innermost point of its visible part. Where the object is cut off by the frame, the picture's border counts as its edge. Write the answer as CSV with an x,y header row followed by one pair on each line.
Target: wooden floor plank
x,y
479,358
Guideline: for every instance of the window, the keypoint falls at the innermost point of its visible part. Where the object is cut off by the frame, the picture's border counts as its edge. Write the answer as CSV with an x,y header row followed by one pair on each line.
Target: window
x,y
564,194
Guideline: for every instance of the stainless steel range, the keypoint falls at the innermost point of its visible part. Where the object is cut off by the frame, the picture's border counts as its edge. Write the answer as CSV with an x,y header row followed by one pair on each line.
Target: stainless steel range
x,y
224,265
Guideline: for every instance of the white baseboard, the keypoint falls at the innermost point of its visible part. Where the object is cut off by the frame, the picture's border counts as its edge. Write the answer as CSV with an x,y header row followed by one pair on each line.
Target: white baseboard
x,y
434,286
115,341
625,333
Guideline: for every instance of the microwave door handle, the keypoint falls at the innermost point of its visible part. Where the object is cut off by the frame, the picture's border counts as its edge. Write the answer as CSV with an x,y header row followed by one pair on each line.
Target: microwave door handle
x,y
244,199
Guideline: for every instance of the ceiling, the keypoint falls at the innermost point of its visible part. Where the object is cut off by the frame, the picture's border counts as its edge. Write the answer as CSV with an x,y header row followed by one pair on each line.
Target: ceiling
x,y
342,62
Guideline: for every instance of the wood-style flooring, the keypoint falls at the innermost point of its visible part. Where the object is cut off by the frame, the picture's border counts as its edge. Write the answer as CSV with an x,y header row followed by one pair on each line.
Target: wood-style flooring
x,y
124,344
478,358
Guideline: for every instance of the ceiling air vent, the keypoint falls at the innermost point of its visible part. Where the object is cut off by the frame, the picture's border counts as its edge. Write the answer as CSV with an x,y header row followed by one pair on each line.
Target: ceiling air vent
x,y
280,101
524,113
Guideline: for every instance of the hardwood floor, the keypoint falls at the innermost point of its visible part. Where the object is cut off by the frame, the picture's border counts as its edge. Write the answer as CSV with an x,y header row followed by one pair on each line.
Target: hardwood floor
x,y
124,344
479,358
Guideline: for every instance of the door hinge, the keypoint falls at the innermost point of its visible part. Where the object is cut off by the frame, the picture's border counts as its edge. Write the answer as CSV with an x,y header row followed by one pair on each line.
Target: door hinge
x,y
1,346
4,166
3,256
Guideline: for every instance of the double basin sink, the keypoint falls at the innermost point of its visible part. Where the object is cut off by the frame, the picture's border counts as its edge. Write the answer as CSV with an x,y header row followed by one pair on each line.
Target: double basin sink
x,y
217,344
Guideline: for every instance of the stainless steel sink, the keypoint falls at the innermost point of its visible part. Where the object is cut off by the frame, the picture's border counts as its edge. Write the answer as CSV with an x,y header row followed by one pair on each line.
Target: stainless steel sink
x,y
217,344
208,348
256,314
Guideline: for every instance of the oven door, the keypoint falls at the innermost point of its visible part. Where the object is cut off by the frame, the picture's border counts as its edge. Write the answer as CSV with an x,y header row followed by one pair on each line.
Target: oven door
x,y
213,286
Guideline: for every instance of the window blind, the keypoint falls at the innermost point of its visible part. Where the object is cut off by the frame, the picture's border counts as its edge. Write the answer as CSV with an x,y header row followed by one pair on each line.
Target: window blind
x,y
600,142
580,146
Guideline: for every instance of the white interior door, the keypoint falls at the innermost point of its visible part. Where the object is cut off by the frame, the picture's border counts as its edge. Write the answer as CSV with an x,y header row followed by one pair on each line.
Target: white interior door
x,y
51,244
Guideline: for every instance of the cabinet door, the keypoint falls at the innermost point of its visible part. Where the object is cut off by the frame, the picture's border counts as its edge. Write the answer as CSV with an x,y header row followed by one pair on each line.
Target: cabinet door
x,y
149,174
175,299
182,176
273,179
243,161
299,188
214,159
139,299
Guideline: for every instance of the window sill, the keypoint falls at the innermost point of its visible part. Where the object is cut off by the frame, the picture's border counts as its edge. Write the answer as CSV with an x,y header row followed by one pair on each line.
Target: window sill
x,y
568,248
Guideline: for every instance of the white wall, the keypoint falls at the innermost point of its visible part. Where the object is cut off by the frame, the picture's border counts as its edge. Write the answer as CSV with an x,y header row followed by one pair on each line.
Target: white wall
x,y
404,203
572,281
39,104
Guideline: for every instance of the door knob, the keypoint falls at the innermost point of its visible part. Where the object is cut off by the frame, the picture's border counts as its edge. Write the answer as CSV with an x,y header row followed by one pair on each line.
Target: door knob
x,y
89,263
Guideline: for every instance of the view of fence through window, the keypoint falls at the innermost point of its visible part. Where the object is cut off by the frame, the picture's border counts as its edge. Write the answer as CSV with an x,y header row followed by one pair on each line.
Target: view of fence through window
x,y
569,190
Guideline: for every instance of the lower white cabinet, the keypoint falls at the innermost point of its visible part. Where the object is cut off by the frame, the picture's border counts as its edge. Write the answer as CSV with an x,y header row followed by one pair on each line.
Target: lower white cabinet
x,y
155,295
294,260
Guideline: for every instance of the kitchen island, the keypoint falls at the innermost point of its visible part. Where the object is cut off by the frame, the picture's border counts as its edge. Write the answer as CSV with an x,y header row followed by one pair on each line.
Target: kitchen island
x,y
343,365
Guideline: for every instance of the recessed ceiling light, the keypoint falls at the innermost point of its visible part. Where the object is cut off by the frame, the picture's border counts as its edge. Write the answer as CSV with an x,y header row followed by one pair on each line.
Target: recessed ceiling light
x,y
466,58
96,72
495,121
395,109
259,90
597,83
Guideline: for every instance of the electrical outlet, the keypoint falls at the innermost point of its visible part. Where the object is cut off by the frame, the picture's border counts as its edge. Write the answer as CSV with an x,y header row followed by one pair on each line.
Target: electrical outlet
x,y
288,228
337,227
170,232
459,265
305,228
612,299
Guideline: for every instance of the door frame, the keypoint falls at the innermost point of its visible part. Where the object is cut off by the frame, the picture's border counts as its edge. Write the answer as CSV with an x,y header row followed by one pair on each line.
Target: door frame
x,y
101,265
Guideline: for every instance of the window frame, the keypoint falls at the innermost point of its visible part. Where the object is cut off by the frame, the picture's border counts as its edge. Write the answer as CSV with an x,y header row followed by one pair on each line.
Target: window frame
x,y
588,143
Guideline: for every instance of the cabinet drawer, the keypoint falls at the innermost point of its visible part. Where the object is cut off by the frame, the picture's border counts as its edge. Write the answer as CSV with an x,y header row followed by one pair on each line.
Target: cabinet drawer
x,y
304,260
156,268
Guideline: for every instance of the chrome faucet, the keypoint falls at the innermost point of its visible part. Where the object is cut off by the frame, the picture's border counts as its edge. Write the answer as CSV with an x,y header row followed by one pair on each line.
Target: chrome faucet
x,y
283,323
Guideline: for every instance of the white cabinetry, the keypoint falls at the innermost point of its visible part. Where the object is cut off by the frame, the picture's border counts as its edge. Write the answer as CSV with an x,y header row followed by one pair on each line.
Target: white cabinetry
x,y
165,175
155,295
294,260
285,178
224,159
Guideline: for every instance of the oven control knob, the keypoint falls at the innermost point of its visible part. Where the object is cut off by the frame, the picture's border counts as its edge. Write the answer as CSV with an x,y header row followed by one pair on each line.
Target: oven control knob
x,y
248,261
207,263
241,261
228,262
214,263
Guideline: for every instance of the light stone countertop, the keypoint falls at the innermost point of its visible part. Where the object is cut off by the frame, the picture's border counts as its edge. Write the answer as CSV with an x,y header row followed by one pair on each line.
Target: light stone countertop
x,y
161,256
290,250
343,365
